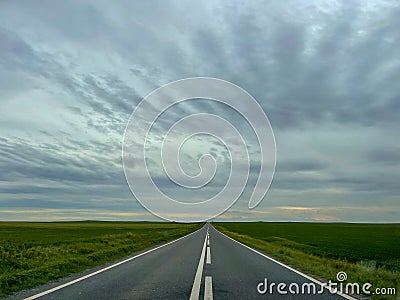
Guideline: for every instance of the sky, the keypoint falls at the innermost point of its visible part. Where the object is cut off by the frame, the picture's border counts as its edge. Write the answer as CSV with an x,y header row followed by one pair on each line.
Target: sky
x,y
326,73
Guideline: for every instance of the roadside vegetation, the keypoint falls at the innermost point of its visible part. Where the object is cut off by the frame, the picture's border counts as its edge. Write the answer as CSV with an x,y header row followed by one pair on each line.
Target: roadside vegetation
x,y
366,252
36,253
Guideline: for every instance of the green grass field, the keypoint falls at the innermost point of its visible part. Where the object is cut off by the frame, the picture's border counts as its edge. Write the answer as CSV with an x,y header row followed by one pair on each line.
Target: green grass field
x,y
366,252
36,253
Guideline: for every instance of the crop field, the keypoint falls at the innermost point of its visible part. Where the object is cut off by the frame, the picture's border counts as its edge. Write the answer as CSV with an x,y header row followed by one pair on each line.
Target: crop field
x,y
35,253
366,252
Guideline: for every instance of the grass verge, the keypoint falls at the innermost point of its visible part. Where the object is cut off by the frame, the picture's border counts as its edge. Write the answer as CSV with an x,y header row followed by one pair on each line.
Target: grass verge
x,y
308,251
36,253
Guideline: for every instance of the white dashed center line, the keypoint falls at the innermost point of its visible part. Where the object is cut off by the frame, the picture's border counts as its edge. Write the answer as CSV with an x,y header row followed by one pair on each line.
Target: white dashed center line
x,y
208,294
208,260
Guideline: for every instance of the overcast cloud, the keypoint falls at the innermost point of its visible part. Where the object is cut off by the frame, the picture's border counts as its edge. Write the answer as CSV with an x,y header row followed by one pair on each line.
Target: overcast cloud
x,y
325,72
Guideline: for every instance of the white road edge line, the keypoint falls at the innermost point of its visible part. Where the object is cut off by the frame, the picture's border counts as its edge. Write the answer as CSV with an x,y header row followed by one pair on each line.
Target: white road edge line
x,y
208,260
289,268
208,294
194,295
105,269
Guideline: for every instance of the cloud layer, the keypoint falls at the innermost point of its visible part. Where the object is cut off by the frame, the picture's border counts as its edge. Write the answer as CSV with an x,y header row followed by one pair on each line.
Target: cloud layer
x,y
325,72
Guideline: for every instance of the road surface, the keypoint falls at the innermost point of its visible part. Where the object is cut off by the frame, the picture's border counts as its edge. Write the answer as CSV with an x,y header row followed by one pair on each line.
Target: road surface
x,y
203,265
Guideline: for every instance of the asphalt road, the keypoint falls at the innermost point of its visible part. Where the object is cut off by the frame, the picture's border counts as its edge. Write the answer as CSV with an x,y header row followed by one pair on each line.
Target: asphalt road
x,y
203,265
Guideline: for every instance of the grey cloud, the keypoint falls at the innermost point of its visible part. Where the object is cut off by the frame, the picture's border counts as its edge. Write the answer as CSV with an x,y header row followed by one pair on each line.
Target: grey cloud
x,y
15,52
332,84
387,155
303,165
24,160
